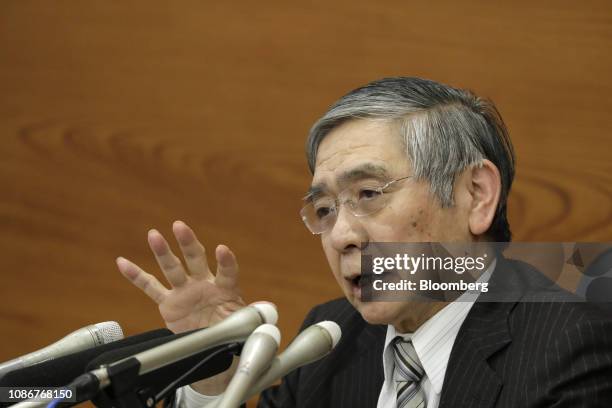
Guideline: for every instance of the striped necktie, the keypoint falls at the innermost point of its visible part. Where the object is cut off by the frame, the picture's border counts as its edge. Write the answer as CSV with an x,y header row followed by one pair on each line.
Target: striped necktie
x,y
407,374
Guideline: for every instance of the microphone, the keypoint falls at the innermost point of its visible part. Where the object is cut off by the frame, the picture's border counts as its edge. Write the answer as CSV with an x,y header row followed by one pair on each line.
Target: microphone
x,y
60,371
154,381
219,359
236,327
122,374
257,353
81,339
310,345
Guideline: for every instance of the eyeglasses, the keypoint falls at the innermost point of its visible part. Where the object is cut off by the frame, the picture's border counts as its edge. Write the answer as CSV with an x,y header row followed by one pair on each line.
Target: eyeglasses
x,y
361,199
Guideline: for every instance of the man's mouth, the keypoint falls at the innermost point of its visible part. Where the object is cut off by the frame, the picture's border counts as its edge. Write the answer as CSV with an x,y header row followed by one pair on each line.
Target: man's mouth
x,y
355,281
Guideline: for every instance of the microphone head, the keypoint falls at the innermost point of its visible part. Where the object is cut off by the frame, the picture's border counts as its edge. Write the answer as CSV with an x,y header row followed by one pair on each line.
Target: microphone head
x,y
332,329
109,331
267,311
271,331
62,370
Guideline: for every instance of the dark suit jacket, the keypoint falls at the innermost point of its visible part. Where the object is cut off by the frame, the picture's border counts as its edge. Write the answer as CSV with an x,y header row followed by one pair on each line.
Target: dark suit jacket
x,y
517,353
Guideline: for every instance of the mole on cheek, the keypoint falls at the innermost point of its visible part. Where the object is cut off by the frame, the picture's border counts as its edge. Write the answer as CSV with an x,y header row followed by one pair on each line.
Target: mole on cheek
x,y
414,224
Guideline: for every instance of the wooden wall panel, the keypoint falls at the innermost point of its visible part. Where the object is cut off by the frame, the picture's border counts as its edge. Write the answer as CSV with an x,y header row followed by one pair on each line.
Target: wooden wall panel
x,y
116,117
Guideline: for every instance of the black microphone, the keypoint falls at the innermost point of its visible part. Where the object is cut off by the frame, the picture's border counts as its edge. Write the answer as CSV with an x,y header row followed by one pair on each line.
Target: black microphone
x,y
82,339
121,375
62,370
148,385
123,378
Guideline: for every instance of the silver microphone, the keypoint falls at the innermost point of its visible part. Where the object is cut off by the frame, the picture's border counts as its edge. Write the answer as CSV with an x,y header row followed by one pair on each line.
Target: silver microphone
x,y
310,345
256,356
87,337
236,327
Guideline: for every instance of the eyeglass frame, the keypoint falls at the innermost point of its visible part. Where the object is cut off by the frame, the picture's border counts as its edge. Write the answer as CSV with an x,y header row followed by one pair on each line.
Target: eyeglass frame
x,y
352,205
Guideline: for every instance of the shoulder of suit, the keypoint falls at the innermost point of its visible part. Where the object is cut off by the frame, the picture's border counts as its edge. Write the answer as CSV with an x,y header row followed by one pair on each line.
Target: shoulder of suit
x,y
560,316
540,293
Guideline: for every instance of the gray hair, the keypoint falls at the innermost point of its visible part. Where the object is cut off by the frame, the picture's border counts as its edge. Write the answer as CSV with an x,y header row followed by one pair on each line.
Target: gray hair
x,y
444,130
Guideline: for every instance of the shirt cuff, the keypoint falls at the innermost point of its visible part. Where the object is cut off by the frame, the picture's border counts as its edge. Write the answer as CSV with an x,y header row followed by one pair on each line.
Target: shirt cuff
x,y
187,397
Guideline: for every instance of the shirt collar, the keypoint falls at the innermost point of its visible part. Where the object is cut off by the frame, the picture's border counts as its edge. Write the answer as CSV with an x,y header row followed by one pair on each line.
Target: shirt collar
x,y
433,341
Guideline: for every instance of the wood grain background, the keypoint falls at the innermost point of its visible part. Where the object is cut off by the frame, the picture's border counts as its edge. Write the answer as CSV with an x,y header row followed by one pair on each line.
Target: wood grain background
x,y
117,117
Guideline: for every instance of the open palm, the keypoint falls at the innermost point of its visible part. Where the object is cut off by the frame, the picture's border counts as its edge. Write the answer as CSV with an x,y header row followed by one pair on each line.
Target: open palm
x,y
197,298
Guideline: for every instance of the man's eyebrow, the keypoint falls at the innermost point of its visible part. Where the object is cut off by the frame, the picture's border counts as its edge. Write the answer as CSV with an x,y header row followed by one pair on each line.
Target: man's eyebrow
x,y
367,170
364,171
314,191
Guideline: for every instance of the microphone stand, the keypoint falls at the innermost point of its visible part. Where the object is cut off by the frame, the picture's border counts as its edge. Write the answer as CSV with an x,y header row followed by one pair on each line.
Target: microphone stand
x,y
123,390
119,385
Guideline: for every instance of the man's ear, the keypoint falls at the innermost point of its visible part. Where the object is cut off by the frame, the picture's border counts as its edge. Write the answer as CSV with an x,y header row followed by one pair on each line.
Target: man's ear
x,y
484,188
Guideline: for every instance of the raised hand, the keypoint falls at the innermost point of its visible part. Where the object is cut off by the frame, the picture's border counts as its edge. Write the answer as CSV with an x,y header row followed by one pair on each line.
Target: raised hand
x,y
196,298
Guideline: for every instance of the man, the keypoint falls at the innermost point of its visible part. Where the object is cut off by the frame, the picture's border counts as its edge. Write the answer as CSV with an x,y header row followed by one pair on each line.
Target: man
x,y
406,160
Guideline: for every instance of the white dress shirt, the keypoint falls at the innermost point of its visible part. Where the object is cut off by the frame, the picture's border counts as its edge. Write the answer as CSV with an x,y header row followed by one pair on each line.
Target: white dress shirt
x,y
433,342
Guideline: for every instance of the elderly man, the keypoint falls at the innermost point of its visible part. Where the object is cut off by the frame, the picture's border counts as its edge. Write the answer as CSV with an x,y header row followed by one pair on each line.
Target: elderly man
x,y
405,160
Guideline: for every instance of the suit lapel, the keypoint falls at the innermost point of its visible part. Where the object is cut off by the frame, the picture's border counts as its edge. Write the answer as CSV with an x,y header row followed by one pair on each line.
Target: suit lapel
x,y
364,370
470,381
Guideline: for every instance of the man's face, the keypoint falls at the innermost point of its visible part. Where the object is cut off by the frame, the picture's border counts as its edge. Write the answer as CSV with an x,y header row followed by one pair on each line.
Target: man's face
x,y
370,150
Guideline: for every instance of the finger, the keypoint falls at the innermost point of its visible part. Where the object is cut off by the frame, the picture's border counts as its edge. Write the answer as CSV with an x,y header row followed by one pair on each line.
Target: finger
x,y
142,280
193,251
169,263
227,268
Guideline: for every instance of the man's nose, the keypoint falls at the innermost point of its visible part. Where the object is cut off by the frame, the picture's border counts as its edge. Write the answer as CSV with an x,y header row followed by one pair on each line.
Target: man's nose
x,y
348,231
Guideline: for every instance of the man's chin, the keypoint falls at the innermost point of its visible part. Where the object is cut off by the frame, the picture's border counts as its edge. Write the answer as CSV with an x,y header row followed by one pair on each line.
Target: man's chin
x,y
377,312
